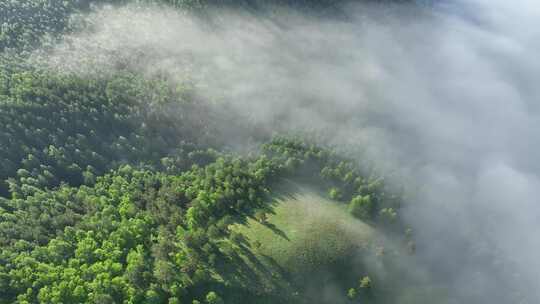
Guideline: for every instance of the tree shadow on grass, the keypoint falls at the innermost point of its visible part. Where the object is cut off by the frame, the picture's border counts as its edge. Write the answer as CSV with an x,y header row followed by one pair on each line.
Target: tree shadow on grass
x,y
276,230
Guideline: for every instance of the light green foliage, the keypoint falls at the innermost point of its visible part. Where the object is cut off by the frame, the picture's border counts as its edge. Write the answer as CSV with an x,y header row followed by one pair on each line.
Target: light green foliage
x,y
352,293
174,300
365,283
388,214
213,298
108,253
361,207
334,193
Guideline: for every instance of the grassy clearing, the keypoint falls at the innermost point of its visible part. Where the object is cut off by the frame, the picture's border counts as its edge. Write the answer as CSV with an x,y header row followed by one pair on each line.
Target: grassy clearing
x,y
312,250
307,230
305,243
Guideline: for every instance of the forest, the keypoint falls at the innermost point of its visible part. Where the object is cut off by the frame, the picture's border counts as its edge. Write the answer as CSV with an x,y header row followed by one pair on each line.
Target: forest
x,y
120,188
129,187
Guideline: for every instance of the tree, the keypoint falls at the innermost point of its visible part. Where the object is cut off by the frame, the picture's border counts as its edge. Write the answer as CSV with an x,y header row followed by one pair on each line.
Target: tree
x,y
153,297
334,193
174,300
103,298
389,215
213,298
136,267
361,207
365,283
164,271
261,216
351,293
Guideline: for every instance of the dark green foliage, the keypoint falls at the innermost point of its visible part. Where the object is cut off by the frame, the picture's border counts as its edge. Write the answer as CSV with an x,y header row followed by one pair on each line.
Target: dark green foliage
x,y
63,128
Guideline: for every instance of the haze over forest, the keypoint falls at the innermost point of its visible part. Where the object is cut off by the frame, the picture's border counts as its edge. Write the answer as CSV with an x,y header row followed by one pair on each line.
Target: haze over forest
x,y
204,151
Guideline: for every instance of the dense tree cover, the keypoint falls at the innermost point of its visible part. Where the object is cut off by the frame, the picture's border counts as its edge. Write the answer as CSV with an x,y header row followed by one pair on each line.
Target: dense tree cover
x,y
140,236
26,24
64,128
363,290
135,237
68,128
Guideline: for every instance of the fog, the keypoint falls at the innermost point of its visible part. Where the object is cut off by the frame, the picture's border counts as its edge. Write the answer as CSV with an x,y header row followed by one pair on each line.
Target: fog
x,y
446,95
